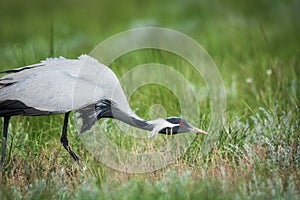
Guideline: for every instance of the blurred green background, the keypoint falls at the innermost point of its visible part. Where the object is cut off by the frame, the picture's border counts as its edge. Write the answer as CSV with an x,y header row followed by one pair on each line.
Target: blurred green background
x,y
255,45
224,28
245,39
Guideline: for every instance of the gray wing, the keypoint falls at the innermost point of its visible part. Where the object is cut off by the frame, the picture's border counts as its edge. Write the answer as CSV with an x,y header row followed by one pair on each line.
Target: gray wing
x,y
60,85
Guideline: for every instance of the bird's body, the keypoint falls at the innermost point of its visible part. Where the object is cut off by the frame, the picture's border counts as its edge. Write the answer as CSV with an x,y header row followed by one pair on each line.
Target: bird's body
x,y
59,85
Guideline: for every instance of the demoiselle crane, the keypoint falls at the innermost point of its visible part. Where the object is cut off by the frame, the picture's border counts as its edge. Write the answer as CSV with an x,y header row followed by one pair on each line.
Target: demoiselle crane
x,y
47,88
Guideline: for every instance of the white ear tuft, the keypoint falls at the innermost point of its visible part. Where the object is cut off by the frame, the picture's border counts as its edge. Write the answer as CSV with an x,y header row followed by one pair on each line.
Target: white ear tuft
x,y
153,132
160,124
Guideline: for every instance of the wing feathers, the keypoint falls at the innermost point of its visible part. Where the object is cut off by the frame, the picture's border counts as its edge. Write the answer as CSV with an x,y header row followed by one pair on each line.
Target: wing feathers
x,y
14,107
20,69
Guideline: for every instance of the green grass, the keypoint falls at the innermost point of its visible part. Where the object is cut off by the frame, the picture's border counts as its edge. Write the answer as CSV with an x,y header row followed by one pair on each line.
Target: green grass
x,y
256,48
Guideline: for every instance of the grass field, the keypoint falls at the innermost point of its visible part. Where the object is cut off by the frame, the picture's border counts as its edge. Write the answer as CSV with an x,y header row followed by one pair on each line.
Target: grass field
x,y
256,48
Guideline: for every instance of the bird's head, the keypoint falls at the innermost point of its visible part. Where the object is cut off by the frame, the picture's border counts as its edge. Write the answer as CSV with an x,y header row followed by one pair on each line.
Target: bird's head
x,y
173,125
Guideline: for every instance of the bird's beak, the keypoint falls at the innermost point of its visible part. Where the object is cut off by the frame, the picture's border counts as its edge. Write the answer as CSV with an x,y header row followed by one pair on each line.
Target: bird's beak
x,y
196,130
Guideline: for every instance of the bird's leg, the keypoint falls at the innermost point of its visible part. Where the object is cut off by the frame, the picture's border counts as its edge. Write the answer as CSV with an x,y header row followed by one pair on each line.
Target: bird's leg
x,y
167,139
4,138
64,139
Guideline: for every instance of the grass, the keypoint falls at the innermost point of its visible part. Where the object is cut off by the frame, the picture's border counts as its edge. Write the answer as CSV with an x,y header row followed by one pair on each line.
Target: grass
x,y
256,50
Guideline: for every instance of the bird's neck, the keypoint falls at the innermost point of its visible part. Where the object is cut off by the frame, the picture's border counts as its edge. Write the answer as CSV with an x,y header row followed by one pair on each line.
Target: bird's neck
x,y
109,109
132,119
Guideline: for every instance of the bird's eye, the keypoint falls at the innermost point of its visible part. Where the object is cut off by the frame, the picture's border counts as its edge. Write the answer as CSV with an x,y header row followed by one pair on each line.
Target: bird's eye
x,y
181,123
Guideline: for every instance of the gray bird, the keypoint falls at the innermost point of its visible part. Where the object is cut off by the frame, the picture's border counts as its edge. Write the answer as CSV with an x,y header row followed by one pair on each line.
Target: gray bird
x,y
60,85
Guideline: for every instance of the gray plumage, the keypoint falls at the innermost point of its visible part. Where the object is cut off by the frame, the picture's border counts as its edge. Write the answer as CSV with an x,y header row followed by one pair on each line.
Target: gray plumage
x,y
59,85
